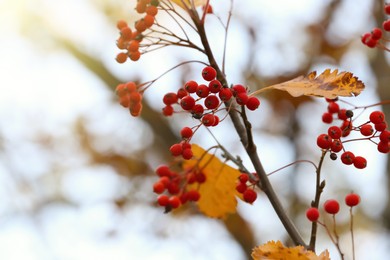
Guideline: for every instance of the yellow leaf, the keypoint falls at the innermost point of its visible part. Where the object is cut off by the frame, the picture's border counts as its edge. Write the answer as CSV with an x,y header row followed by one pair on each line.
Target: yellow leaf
x,y
218,192
328,84
276,250
188,3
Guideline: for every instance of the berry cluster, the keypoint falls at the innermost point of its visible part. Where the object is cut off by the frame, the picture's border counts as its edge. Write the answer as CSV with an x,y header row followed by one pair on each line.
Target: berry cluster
x,y
175,186
332,206
374,129
373,38
129,97
248,192
211,94
130,40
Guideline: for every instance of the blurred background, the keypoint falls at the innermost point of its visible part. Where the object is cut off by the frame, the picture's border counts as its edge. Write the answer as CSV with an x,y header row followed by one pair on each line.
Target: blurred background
x,y
76,170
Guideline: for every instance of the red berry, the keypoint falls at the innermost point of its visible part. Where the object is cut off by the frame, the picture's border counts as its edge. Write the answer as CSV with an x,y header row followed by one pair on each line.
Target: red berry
x,y
209,73
346,127
371,43
225,94
381,126
176,149
253,103
191,178
243,177
385,136
186,132
383,147
387,8
167,111
202,91
163,200
334,132
327,118
163,170
200,177
187,103
241,187
165,180
185,145
191,86
174,202
242,98
366,130
360,162
216,120
365,37
336,146
170,98
208,119
181,93
333,107
352,199
197,111
324,141
193,195
215,86
347,158
331,206
376,34
377,117
173,188
342,114
312,214
250,195
187,154
386,25
211,102
158,187
237,89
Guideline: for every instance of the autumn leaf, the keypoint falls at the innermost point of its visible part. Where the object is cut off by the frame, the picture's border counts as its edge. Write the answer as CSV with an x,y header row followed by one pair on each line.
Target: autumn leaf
x,y
276,250
328,84
217,193
188,3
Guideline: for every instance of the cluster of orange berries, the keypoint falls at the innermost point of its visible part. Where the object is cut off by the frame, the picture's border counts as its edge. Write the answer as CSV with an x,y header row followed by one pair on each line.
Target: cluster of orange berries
x,y
129,97
174,184
372,39
248,192
374,129
129,40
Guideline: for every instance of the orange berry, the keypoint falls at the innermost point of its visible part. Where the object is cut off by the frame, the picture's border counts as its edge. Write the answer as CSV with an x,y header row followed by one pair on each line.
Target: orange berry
x,y
120,43
152,10
133,46
121,57
134,56
135,97
126,33
148,20
124,100
131,86
121,89
121,24
141,7
140,25
135,109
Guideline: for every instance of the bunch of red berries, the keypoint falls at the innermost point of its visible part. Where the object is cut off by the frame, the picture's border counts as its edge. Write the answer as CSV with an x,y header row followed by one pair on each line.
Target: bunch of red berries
x,y
175,186
373,39
375,129
248,192
184,147
129,40
204,100
332,206
129,97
